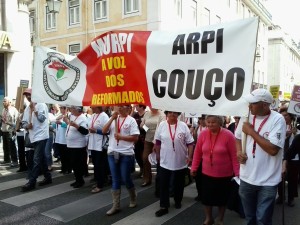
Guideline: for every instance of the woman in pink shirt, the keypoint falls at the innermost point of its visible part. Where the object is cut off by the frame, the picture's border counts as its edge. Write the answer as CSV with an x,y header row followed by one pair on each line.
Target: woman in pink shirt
x,y
216,149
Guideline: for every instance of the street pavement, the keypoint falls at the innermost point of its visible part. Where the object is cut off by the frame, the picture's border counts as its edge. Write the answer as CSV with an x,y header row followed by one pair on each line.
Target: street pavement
x,y
58,203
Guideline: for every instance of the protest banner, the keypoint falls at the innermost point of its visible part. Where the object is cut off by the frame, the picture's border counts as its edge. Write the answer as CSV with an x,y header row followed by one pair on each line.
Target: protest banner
x,y
274,90
294,106
205,70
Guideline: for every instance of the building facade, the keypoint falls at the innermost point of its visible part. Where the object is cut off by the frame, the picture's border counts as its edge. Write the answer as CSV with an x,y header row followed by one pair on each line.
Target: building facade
x,y
16,56
283,62
79,22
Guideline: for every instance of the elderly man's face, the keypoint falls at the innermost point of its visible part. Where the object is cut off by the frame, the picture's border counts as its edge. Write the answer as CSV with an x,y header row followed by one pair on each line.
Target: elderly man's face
x,y
5,102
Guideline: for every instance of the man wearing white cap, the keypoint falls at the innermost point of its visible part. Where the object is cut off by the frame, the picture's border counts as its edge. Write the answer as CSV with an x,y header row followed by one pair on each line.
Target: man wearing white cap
x,y
261,163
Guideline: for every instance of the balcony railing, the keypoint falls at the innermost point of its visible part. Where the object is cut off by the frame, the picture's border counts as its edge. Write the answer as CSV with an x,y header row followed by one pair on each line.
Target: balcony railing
x,y
263,9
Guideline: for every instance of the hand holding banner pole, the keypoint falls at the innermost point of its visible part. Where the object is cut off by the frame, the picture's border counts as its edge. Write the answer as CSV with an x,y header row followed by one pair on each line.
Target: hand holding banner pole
x,y
244,137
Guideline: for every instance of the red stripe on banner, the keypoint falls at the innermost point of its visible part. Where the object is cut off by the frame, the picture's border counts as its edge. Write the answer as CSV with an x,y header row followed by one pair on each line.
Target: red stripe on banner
x,y
116,66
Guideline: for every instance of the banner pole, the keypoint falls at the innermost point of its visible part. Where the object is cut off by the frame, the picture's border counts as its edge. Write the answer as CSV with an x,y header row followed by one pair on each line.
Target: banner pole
x,y
244,137
256,53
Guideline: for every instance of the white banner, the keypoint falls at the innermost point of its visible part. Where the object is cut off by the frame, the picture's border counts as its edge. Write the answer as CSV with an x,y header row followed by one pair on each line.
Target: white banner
x,y
205,70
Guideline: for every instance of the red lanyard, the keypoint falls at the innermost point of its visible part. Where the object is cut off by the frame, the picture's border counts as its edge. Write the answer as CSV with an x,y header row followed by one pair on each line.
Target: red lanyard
x,y
69,125
259,129
212,145
120,126
172,136
94,120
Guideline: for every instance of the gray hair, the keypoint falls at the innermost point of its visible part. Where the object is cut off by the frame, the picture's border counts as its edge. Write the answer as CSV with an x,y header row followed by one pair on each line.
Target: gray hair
x,y
7,98
77,108
219,118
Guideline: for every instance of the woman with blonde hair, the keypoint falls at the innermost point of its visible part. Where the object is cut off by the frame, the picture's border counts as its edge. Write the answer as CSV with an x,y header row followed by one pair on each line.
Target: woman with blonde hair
x,y
149,123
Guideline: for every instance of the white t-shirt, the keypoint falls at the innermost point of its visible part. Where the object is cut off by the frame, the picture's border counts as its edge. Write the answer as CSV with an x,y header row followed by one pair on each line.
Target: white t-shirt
x,y
40,130
264,169
96,121
128,128
74,138
60,136
169,158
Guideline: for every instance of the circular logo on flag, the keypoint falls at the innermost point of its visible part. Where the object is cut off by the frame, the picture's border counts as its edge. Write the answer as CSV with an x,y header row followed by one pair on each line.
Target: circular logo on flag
x,y
297,108
60,77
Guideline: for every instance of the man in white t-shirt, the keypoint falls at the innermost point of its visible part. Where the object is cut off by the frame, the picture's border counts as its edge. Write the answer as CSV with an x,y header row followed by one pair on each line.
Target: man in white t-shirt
x,y
35,121
261,163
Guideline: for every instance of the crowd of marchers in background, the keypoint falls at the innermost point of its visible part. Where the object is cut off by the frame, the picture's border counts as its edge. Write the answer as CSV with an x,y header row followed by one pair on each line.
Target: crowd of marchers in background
x,y
208,149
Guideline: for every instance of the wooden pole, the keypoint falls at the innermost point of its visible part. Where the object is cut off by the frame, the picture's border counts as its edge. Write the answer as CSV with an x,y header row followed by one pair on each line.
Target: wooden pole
x,y
244,137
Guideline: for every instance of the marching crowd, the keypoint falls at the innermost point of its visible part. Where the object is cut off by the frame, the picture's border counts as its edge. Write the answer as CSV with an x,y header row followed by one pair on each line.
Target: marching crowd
x,y
256,152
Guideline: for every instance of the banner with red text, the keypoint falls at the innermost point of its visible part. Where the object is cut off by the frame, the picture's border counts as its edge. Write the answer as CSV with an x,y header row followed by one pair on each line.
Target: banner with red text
x,y
205,70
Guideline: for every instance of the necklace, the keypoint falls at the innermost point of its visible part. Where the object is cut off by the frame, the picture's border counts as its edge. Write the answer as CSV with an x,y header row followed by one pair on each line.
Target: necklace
x,y
94,120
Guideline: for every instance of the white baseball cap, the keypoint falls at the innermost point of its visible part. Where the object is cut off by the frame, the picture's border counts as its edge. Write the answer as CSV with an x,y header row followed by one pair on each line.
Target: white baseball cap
x,y
259,95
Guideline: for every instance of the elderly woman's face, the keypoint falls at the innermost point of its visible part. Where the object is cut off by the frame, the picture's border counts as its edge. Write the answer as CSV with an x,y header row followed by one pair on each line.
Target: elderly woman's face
x,y
213,123
172,115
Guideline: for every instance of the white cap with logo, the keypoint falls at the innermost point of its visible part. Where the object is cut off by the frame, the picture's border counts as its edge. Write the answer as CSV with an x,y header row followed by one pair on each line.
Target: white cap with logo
x,y
259,95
